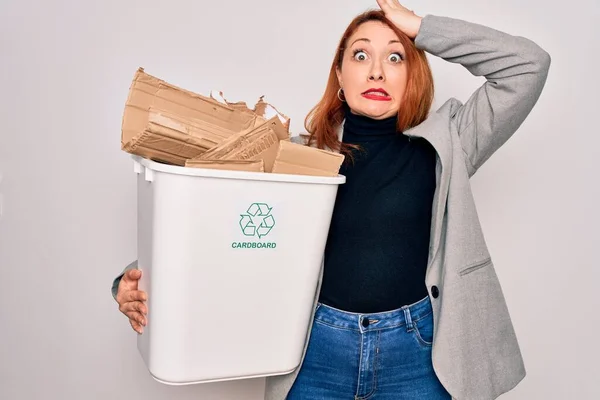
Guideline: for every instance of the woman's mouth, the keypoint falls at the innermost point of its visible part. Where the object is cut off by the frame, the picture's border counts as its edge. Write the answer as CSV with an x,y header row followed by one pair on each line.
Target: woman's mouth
x,y
376,94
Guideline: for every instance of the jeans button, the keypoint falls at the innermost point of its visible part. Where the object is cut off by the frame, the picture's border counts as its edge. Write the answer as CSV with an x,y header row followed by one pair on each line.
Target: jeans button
x,y
365,322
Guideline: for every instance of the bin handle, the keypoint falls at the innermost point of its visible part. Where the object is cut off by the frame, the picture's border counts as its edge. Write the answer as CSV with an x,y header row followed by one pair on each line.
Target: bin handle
x,y
149,175
137,167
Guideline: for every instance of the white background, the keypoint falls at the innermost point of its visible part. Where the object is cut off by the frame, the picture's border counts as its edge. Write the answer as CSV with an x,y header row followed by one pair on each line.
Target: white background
x,y
68,191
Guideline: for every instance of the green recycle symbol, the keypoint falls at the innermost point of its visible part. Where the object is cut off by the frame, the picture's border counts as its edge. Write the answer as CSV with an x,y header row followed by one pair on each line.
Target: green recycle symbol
x,y
257,221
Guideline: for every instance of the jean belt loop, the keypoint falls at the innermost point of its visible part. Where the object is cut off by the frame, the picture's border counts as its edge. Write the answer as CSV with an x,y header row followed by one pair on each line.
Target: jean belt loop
x,y
408,318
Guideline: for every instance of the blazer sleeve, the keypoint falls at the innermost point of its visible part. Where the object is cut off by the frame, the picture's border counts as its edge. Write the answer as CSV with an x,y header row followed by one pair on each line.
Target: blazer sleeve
x,y
515,69
117,280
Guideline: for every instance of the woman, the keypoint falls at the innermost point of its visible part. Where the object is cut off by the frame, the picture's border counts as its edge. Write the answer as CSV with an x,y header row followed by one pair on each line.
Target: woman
x,y
408,305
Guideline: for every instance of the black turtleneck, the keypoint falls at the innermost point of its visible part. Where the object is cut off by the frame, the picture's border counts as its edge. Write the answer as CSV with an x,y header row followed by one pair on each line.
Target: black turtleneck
x,y
378,243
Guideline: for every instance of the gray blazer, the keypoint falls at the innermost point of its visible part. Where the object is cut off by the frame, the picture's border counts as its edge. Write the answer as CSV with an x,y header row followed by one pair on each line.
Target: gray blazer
x,y
476,354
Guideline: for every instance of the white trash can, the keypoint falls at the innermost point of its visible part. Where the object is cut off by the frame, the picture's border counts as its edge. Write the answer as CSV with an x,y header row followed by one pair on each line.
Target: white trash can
x,y
230,262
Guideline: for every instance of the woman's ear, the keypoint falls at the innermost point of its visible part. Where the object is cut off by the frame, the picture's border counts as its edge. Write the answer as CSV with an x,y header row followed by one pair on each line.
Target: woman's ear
x,y
338,73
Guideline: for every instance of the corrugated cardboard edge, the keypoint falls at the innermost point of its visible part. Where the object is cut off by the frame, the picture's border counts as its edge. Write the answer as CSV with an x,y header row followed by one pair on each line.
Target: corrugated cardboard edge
x,y
282,167
231,165
259,143
159,141
158,155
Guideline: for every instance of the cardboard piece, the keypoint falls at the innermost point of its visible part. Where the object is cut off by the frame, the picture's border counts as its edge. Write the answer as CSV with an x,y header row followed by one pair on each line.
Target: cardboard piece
x,y
231,165
293,158
173,139
260,143
149,95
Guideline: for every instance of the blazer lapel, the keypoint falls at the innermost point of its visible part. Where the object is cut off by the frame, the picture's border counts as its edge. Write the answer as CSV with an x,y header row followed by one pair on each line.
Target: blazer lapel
x,y
434,130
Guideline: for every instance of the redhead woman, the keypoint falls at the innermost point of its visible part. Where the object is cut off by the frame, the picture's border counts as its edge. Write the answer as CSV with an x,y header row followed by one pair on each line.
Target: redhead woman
x,y
409,306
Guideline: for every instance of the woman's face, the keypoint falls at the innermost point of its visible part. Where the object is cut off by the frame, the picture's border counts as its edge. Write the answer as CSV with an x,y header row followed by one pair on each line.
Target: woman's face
x,y
373,75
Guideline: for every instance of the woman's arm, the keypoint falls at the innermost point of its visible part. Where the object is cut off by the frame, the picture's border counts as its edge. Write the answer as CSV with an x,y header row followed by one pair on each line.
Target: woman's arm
x,y
515,69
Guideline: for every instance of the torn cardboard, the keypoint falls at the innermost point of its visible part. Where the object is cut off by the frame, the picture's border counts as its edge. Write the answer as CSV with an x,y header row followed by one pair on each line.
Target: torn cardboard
x,y
267,111
172,139
262,109
167,123
260,143
149,95
293,158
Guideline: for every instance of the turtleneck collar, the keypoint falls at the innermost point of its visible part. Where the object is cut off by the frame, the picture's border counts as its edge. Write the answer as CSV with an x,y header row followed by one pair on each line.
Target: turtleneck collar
x,y
362,128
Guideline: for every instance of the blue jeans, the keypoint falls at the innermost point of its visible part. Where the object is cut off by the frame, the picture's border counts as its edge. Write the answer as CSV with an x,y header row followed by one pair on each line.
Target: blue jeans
x,y
386,358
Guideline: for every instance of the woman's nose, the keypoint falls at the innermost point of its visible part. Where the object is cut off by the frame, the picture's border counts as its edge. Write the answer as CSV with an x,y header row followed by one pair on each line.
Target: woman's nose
x,y
376,71
376,77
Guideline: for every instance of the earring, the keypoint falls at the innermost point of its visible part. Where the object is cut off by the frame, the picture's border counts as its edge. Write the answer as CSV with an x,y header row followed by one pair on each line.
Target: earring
x,y
339,95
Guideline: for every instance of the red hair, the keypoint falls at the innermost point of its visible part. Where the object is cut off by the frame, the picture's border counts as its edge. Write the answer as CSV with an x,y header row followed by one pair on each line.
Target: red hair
x,y
325,118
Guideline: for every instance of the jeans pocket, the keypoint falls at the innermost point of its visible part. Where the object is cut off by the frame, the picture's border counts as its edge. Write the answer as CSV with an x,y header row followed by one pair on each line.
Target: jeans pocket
x,y
423,330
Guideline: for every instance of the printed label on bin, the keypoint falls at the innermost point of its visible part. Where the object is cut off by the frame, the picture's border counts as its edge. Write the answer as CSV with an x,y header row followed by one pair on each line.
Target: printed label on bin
x,y
256,223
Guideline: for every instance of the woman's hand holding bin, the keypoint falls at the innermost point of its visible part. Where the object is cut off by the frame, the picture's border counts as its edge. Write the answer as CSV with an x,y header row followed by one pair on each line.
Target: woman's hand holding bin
x,y
132,302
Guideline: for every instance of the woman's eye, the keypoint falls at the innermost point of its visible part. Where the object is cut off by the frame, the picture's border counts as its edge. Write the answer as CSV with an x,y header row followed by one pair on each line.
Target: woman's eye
x,y
360,55
395,57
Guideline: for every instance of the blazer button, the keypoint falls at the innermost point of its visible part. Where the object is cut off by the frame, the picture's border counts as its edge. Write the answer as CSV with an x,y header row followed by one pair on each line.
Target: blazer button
x,y
435,292
365,322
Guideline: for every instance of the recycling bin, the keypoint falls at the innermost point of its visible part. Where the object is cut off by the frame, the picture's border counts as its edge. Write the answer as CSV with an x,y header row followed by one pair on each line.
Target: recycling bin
x,y
230,262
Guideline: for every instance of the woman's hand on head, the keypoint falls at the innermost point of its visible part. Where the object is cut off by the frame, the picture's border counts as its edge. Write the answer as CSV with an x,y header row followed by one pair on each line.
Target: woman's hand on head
x,y
406,20
132,302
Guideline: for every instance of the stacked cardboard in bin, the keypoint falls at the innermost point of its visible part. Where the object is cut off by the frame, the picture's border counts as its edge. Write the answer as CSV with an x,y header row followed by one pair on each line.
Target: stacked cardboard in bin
x,y
166,123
